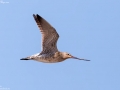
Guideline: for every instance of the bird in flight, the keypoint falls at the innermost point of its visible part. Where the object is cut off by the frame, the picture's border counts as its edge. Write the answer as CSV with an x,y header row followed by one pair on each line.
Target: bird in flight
x,y
49,53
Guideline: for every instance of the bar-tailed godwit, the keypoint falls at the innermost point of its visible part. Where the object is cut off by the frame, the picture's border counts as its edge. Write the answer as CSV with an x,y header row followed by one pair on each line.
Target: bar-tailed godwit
x,y
50,53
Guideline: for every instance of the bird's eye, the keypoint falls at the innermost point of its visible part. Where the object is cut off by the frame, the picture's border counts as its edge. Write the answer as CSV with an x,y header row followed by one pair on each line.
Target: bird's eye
x,y
68,54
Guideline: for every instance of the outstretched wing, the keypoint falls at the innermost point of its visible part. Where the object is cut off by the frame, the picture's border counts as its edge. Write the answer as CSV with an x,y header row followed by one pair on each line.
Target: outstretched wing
x,y
49,35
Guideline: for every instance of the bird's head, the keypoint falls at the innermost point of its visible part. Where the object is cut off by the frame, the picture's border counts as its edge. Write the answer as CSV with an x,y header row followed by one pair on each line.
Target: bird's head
x,y
68,55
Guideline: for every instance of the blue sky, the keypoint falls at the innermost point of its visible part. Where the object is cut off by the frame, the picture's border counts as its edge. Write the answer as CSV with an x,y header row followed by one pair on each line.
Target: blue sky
x,y
88,29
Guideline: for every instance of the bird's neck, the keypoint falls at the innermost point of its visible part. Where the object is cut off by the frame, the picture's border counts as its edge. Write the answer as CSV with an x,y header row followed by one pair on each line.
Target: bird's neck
x,y
60,54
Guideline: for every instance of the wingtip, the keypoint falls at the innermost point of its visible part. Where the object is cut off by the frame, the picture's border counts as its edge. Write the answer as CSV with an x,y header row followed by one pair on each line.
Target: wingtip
x,y
33,15
37,16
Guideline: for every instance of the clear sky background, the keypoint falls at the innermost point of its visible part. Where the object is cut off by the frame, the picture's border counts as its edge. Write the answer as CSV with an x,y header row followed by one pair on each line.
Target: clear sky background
x,y
88,29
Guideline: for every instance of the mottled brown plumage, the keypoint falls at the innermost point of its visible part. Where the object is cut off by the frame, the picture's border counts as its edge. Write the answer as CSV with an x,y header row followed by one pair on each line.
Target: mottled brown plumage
x,y
50,53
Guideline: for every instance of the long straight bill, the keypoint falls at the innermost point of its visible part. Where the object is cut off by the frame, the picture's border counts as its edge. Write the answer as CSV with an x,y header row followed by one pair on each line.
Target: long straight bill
x,y
80,58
